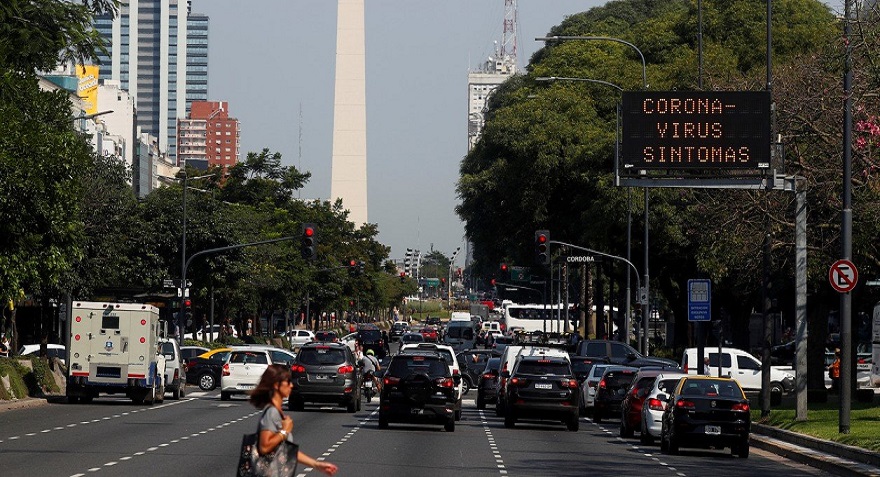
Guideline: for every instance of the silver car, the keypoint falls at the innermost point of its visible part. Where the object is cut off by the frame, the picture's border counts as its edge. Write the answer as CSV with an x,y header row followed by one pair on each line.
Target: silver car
x,y
588,388
655,404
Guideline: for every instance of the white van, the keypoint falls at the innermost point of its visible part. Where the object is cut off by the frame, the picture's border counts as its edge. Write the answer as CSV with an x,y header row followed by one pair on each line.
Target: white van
x,y
492,327
739,365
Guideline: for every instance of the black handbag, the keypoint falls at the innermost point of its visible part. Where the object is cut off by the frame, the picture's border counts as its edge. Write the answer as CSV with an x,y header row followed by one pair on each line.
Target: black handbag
x,y
279,463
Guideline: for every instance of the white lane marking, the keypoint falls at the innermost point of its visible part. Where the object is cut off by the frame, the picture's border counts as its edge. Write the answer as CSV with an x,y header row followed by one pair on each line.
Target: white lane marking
x,y
338,443
636,448
499,461
154,448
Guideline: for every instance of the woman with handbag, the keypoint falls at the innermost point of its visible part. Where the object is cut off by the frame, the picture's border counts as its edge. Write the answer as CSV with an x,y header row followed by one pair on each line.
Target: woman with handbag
x,y
274,444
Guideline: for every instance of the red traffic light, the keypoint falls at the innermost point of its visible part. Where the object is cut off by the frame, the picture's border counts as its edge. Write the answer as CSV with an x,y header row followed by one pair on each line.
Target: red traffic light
x,y
352,263
503,267
542,238
493,282
187,303
309,232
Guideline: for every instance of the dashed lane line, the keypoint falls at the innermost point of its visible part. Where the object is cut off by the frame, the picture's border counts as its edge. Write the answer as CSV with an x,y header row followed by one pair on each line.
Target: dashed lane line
x,y
636,448
341,441
499,461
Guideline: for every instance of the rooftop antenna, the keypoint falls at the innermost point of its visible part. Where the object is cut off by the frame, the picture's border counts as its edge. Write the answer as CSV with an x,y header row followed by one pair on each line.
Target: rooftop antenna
x,y
508,37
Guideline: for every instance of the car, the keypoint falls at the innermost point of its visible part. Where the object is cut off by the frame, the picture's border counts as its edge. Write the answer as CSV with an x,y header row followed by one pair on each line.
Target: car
x,y
631,407
325,373
447,354
397,330
706,411
588,388
655,404
486,384
205,372
418,388
208,333
611,391
52,351
350,340
616,352
300,337
742,366
409,338
429,333
246,364
542,387
222,350
581,366
460,335
433,320
175,368
501,342
472,363
190,352
326,336
370,338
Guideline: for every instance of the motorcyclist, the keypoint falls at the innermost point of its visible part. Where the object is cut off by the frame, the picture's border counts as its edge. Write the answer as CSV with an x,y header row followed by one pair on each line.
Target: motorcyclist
x,y
370,365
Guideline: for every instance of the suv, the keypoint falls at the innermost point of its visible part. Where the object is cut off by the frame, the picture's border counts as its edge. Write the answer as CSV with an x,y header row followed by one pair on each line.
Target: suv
x,y
448,355
245,366
542,387
398,329
175,368
370,337
418,387
325,373
616,352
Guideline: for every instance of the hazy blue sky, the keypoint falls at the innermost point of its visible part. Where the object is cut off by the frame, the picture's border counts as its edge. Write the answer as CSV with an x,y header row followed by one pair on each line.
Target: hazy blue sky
x,y
271,59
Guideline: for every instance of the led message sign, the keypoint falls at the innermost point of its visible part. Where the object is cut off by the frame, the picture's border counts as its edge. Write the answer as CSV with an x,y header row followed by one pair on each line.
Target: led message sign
x,y
695,130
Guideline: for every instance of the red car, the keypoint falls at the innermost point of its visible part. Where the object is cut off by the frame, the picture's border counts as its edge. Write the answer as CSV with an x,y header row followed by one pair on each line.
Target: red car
x,y
631,407
429,333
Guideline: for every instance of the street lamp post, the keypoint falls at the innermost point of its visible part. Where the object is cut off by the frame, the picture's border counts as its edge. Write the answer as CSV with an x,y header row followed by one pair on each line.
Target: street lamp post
x,y
645,303
449,283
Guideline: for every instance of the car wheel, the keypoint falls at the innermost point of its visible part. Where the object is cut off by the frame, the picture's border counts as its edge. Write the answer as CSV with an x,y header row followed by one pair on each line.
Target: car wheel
x,y
183,390
499,408
776,388
449,426
224,396
625,431
458,414
297,405
207,382
743,449
509,421
673,444
175,393
644,437
597,416
72,399
351,406
664,446
383,422
480,403
358,401
573,424
465,386
582,410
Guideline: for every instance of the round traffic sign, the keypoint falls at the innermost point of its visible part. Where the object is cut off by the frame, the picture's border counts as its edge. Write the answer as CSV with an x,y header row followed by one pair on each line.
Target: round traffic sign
x,y
843,276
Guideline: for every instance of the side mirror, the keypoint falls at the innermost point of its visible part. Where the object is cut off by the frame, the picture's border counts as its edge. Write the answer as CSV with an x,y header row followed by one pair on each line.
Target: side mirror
x,y
505,374
663,397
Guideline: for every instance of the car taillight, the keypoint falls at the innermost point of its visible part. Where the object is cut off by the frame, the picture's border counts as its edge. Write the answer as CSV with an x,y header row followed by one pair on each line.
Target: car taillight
x,y
488,376
176,374
570,383
455,372
445,382
685,368
226,369
655,404
297,368
390,380
345,369
517,382
602,384
685,404
740,406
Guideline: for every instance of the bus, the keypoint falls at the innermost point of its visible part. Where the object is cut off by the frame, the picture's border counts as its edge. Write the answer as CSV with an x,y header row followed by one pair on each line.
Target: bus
x,y
534,317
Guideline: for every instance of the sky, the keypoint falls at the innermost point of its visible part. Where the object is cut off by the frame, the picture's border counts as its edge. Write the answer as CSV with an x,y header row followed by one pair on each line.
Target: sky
x,y
274,62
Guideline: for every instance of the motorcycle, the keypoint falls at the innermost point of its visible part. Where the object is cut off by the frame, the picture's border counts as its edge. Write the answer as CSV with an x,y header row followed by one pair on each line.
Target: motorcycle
x,y
368,387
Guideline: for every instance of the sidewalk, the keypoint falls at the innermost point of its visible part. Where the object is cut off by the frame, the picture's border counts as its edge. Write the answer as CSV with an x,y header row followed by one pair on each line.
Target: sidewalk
x,y
838,459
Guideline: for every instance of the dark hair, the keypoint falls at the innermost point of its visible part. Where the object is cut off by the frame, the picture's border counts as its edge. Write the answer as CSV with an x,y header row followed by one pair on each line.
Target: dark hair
x,y
265,390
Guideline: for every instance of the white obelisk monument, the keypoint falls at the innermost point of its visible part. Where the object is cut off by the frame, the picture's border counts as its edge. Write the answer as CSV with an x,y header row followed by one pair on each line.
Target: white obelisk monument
x,y
349,167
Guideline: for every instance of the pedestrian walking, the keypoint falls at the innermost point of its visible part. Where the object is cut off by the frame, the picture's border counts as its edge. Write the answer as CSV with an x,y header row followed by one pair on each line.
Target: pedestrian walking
x,y
4,347
275,428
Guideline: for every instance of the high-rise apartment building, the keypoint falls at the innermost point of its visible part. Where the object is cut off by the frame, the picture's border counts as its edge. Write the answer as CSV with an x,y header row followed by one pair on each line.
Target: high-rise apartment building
x,y
196,59
208,137
481,84
148,56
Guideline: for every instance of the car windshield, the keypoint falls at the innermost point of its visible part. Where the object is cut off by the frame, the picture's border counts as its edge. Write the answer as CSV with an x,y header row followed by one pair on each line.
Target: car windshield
x,y
403,366
667,385
248,357
460,332
369,336
711,388
540,368
321,355
618,379
581,366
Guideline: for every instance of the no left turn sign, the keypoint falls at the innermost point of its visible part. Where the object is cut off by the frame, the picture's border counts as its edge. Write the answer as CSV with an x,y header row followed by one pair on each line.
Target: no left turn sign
x,y
843,276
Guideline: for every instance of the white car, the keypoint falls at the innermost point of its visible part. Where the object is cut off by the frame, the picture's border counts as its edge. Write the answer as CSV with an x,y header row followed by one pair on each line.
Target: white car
x,y
53,350
175,368
208,333
350,340
300,337
246,364
588,387
655,404
449,355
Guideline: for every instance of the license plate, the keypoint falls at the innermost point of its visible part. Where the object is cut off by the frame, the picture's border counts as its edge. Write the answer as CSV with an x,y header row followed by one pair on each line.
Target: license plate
x,y
417,411
246,386
543,386
322,377
713,430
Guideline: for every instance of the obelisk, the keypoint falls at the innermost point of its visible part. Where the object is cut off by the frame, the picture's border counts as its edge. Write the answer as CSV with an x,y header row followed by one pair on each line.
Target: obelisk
x,y
348,171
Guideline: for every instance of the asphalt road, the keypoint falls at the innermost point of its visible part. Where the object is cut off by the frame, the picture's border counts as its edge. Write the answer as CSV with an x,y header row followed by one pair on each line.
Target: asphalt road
x,y
200,436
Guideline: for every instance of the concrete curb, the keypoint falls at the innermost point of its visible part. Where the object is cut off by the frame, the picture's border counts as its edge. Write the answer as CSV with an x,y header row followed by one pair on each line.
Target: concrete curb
x,y
852,453
826,462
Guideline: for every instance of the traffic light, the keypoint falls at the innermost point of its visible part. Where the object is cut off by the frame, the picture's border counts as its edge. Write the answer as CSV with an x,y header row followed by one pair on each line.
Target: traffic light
x,y
352,267
309,241
542,247
492,281
402,277
505,272
187,309
360,268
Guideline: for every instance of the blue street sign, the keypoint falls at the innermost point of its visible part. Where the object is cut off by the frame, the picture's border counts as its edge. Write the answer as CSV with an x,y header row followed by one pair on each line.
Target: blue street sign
x,y
699,300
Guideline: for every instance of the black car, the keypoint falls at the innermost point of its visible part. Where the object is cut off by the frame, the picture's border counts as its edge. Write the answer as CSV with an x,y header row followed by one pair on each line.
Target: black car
x,y
616,352
705,411
433,320
488,381
542,387
325,373
611,391
205,372
472,364
418,388
398,329
326,336
370,338
581,366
